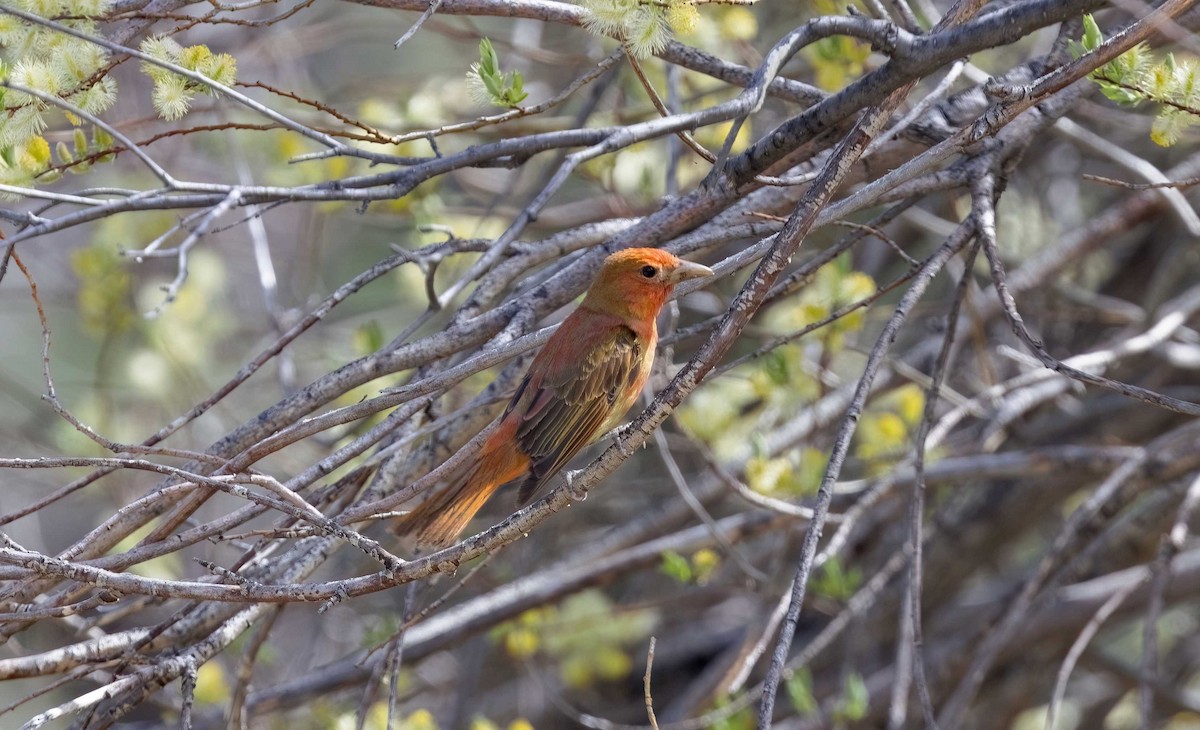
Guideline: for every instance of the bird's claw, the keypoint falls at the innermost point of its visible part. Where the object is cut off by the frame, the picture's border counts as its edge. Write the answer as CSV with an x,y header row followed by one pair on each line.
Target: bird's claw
x,y
577,491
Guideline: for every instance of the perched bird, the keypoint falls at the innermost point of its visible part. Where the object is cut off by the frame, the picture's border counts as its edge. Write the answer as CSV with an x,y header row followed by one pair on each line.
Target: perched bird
x,y
579,385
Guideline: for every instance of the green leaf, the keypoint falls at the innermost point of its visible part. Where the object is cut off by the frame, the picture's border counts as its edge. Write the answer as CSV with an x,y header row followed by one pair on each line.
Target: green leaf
x,y
492,84
506,90
800,691
676,566
488,61
1092,37
837,582
368,337
1119,95
516,92
1134,77
776,366
743,719
856,700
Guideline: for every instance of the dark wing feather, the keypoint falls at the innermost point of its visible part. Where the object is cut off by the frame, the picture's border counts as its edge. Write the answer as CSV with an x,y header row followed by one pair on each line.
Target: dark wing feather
x,y
569,410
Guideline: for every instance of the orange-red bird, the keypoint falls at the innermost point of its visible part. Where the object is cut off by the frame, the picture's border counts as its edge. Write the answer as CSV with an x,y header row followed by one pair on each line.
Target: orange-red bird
x,y
585,378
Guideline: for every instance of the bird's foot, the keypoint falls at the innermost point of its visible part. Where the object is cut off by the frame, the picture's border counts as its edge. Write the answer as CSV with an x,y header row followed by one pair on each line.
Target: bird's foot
x,y
575,487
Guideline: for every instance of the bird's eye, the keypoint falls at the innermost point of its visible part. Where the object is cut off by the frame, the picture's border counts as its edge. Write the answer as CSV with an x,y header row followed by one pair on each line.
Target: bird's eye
x,y
649,272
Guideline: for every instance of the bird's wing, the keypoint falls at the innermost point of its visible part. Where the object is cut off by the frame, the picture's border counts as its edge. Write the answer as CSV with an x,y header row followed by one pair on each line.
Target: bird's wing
x,y
571,403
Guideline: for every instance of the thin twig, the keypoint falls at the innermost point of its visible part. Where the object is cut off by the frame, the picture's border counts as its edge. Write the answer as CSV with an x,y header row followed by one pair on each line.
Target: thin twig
x,y
646,685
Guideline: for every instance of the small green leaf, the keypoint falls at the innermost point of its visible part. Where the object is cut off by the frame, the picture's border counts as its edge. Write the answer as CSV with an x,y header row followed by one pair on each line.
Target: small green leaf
x,y
488,60
800,691
506,90
743,719
515,94
856,700
1119,95
676,566
368,337
837,582
776,366
492,84
1092,37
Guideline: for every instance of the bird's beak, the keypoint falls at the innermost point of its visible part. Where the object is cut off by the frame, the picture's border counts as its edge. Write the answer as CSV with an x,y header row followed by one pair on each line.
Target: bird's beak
x,y
688,270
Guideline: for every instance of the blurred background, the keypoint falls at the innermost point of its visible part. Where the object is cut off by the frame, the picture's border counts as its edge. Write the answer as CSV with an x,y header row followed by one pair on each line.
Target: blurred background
x,y
553,631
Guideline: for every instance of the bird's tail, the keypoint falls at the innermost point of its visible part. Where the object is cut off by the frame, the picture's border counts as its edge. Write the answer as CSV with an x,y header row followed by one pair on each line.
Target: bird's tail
x,y
441,518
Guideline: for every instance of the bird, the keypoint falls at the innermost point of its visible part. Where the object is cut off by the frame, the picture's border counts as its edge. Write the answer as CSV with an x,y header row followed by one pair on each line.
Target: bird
x,y
579,385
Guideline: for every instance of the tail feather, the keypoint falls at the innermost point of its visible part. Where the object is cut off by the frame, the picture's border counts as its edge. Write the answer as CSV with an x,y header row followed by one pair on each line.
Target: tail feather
x,y
445,513
441,518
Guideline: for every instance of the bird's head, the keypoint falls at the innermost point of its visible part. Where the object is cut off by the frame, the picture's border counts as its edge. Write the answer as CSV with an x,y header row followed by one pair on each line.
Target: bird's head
x,y
634,283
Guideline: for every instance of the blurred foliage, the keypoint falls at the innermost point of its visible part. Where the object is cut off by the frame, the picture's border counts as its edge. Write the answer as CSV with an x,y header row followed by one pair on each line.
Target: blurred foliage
x,y
886,430
676,566
729,412
419,719
797,473
585,634
854,701
167,567
482,723
159,365
743,719
704,563
836,60
836,581
212,685
368,337
698,570
1136,76
161,361
799,686
830,289
104,296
